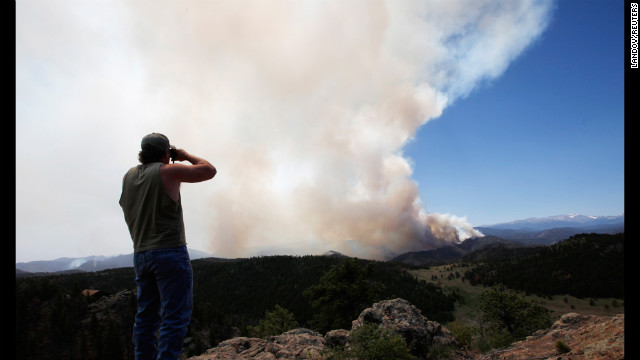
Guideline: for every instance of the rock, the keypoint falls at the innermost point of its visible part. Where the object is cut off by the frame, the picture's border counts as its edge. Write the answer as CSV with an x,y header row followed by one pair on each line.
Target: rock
x,y
232,349
296,344
338,337
405,319
292,345
588,337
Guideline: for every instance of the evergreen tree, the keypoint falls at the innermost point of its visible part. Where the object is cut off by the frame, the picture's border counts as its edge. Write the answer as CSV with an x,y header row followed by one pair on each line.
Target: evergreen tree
x,y
112,347
584,265
342,293
503,309
275,322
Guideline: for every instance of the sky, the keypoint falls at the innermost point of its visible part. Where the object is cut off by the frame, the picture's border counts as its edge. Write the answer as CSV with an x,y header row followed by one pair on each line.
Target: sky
x,y
366,127
545,138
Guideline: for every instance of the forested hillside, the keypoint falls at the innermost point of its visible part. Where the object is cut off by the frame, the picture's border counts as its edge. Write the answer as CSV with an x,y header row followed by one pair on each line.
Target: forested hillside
x,y
584,265
55,320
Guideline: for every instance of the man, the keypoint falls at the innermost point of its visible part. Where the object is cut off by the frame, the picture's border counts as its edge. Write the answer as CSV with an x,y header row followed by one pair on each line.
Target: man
x,y
152,210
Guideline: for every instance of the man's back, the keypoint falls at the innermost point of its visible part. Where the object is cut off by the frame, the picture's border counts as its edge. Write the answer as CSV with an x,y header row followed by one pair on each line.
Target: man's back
x,y
153,217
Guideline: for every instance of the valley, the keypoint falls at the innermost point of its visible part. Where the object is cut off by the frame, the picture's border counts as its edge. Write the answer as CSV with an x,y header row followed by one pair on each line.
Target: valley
x,y
445,277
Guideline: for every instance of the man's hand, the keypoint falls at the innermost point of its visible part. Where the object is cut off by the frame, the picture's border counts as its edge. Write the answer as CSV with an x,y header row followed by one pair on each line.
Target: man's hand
x,y
181,155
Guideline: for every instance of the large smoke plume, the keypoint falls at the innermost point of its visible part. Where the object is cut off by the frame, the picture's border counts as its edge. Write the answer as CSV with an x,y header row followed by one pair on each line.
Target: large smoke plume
x,y
305,107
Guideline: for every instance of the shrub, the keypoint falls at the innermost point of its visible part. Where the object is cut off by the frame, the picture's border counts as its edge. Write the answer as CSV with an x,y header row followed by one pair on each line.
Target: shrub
x,y
463,333
372,342
275,322
504,310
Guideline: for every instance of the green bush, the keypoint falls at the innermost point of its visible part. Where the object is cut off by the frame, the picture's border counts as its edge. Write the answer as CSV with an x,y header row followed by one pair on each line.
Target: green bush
x,y
372,342
275,322
463,333
508,314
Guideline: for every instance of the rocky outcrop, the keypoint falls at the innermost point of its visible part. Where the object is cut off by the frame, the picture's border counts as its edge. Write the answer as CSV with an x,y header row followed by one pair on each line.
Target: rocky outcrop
x,y
405,319
397,314
117,307
292,345
587,337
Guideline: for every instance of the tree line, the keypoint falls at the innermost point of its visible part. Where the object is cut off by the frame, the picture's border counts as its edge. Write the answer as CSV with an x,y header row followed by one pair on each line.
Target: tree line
x,y
584,265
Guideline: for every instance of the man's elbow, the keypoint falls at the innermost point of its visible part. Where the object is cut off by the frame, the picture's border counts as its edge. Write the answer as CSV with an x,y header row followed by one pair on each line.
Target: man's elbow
x,y
211,172
202,173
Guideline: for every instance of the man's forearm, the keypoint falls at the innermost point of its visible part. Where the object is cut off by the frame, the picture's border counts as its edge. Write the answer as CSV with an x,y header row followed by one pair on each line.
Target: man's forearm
x,y
208,170
200,170
195,160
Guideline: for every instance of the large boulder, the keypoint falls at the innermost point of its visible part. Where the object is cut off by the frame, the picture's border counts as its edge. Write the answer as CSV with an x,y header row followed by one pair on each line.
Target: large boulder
x,y
405,319
337,338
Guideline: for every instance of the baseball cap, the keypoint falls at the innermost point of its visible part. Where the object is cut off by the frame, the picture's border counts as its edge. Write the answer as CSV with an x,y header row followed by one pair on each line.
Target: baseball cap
x,y
156,140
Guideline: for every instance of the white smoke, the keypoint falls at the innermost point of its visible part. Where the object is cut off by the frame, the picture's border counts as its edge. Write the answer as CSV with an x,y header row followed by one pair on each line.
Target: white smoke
x,y
303,106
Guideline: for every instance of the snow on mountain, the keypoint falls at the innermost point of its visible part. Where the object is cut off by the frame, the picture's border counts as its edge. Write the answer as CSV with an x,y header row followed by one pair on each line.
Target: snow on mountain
x,y
557,221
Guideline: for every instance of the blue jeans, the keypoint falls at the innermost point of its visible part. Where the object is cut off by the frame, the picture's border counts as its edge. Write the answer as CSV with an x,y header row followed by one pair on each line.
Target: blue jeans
x,y
164,279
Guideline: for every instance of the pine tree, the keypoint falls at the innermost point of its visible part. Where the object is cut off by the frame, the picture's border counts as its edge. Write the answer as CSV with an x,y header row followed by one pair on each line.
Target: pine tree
x,y
275,322
342,293
504,309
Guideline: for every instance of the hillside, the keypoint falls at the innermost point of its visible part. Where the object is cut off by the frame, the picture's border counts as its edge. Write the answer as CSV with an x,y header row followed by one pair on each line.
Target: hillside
x,y
505,239
481,245
233,295
584,265
57,321
585,337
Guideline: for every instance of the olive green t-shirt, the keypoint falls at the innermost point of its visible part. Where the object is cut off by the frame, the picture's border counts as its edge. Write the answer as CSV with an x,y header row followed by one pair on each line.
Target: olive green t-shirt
x,y
153,217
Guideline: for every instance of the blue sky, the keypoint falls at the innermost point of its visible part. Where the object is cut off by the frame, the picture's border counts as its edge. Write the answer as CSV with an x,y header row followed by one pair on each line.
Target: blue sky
x,y
546,138
333,125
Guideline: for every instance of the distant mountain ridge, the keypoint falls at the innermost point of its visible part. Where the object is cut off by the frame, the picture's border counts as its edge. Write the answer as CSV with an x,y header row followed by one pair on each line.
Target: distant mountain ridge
x,y
89,263
559,221
532,231
549,230
507,239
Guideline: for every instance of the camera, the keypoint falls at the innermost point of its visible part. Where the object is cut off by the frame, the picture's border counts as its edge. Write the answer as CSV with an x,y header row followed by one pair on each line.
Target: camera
x,y
173,154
